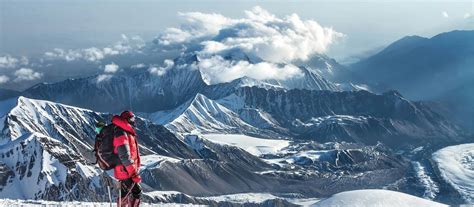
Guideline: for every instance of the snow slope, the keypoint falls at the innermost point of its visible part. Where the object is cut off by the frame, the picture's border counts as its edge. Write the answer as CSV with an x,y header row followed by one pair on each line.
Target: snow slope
x,y
154,160
308,80
67,124
253,145
365,198
456,166
202,115
244,197
56,171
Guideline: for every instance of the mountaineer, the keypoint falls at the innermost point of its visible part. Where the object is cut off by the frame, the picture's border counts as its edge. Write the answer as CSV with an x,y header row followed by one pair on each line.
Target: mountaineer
x,y
116,148
126,147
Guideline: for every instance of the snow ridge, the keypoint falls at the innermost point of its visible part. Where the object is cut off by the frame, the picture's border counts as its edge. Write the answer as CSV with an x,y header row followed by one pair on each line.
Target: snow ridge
x,y
200,114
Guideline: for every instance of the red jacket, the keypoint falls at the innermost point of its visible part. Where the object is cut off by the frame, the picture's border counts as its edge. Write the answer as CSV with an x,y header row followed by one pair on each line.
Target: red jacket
x,y
126,147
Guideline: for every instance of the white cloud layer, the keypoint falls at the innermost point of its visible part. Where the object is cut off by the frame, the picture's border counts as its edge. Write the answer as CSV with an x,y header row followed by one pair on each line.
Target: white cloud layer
x,y
27,74
95,54
260,33
111,68
159,71
4,79
137,66
217,70
8,61
260,45
103,77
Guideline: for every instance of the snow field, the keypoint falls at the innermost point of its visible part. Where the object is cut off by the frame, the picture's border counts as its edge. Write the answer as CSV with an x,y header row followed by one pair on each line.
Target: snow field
x,y
253,145
382,198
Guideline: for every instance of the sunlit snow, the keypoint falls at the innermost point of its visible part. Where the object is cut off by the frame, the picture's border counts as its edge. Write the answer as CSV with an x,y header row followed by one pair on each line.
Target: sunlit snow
x,y
253,145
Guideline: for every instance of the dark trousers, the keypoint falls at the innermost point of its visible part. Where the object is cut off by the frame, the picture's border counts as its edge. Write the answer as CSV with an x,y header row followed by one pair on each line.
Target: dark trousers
x,y
130,188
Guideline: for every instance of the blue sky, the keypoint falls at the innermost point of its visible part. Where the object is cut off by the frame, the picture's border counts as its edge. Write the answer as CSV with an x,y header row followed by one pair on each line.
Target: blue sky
x,y
33,27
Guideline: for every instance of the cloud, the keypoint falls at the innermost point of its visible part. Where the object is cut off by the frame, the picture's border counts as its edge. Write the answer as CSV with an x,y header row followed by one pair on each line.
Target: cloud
x,y
90,54
445,14
159,71
103,77
8,61
111,68
218,70
197,25
261,45
137,66
27,74
95,54
4,79
260,34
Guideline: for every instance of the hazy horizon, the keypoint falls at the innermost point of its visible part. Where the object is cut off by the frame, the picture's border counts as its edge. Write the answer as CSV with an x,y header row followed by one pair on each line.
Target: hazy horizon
x,y
52,40
32,28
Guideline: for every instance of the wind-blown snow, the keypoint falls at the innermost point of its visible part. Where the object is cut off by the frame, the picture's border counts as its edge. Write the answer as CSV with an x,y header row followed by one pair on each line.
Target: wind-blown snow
x,y
366,198
456,166
253,145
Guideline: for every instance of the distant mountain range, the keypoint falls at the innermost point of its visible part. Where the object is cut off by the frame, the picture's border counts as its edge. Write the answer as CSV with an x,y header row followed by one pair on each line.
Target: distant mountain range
x,y
307,107
421,67
438,68
144,92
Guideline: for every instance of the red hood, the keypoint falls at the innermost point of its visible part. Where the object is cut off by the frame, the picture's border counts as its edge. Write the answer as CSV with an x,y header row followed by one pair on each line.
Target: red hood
x,y
122,123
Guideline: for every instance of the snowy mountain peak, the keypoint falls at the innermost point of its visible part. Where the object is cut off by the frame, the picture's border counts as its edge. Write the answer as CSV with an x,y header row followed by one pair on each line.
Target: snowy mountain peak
x,y
70,125
201,114
309,81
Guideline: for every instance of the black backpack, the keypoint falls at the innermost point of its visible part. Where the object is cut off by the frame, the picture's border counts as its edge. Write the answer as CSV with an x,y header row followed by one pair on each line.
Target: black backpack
x,y
104,148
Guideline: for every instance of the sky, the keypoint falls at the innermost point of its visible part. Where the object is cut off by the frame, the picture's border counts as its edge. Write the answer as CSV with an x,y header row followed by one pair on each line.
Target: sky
x,y
33,27
52,40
